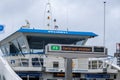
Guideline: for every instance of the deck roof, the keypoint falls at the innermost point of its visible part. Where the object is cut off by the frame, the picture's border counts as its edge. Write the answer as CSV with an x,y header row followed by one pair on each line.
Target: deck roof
x,y
60,32
50,35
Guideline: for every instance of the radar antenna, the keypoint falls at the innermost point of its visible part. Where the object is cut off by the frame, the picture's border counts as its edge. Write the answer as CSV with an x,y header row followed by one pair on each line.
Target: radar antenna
x,y
27,25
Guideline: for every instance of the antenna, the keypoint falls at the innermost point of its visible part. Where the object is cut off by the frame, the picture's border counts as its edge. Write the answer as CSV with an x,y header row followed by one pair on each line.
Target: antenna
x,y
104,40
48,15
27,25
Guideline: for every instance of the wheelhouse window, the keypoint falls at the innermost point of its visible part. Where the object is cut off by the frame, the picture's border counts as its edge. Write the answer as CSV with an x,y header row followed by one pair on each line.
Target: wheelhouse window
x,y
13,49
15,46
22,45
5,49
81,42
37,43
18,46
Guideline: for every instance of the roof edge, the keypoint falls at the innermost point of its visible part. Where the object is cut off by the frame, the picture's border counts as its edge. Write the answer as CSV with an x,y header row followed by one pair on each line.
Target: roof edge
x,y
81,33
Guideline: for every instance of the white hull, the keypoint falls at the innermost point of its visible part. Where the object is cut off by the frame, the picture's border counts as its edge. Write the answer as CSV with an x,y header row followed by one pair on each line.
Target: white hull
x,y
6,72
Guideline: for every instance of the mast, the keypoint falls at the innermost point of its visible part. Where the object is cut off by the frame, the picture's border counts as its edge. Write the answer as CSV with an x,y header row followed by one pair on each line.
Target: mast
x,y
48,15
49,21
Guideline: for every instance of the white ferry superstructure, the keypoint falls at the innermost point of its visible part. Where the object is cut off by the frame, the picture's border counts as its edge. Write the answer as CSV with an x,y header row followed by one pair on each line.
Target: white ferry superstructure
x,y
24,56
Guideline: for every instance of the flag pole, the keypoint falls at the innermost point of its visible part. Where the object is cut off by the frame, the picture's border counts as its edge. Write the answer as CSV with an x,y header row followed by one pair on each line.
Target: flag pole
x,y
104,36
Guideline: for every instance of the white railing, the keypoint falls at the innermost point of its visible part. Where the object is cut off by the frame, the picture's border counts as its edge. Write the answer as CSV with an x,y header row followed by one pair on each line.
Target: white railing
x,y
19,63
24,64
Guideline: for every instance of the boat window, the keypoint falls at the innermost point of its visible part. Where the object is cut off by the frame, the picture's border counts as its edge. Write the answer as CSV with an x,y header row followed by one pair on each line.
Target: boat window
x,y
55,64
22,45
37,43
90,64
13,49
35,62
5,49
100,64
15,42
80,42
25,62
93,64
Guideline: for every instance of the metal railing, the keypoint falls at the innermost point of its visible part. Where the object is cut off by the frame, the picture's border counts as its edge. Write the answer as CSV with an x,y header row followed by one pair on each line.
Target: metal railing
x,y
24,62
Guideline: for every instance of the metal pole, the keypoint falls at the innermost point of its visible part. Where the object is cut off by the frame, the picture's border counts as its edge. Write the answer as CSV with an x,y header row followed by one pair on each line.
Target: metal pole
x,y
68,68
104,23
28,77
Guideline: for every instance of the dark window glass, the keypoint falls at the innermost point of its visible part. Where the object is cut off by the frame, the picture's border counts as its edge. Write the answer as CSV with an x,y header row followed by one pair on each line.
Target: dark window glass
x,y
55,64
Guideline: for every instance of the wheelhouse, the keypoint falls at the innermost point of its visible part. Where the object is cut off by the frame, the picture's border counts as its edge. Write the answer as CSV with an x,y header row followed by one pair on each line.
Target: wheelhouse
x,y
33,41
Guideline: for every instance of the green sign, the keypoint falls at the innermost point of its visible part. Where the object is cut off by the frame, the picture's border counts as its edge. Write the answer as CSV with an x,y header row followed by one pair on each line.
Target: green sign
x,y
55,47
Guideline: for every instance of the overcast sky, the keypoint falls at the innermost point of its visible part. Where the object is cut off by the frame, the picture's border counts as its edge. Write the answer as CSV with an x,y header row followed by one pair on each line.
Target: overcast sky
x,y
76,15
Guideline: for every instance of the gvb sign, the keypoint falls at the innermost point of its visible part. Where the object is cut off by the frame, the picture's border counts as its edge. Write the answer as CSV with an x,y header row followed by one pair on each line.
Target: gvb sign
x,y
1,28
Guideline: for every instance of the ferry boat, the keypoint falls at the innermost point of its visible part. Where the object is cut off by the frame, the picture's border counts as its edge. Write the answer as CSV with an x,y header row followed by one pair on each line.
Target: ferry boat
x,y
32,54
35,54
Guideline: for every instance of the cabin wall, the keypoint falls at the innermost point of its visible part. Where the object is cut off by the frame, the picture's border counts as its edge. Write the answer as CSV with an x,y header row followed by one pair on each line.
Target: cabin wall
x,y
118,76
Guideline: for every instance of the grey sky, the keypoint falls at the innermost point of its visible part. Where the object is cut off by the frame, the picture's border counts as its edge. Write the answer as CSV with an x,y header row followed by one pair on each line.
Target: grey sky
x,y
77,15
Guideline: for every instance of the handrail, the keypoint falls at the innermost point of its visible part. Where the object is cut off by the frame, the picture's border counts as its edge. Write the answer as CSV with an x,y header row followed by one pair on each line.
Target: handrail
x,y
25,62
